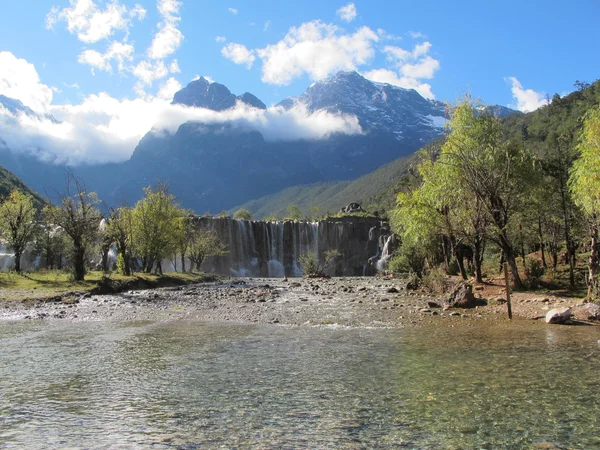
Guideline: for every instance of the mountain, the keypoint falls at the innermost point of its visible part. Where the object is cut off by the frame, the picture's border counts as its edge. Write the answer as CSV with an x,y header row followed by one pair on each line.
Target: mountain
x,y
10,182
378,107
15,106
203,94
213,167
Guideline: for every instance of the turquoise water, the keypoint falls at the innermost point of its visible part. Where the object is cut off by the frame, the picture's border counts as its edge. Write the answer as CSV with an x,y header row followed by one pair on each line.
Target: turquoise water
x,y
189,385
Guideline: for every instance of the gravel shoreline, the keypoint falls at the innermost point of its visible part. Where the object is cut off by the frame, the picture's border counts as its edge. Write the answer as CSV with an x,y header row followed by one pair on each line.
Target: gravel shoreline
x,y
348,302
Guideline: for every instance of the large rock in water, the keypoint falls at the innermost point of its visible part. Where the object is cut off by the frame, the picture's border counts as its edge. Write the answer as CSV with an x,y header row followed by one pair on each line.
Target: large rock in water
x,y
558,315
462,297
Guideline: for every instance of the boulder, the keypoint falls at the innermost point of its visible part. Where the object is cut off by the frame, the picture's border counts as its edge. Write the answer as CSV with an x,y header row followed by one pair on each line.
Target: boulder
x,y
462,297
589,312
558,315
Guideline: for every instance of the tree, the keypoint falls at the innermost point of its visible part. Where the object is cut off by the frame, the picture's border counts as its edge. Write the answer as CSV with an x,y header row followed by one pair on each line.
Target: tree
x,y
294,212
311,265
78,216
242,214
17,226
155,219
120,232
585,187
205,242
182,236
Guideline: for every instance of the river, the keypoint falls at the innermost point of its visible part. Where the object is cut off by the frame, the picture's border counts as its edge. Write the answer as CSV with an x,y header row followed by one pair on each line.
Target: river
x,y
187,385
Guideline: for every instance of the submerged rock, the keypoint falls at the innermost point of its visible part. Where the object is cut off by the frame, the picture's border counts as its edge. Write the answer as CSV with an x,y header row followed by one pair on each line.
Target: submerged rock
x,y
558,315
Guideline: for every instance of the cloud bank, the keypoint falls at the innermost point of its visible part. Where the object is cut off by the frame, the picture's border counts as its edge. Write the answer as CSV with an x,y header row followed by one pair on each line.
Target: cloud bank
x,y
104,129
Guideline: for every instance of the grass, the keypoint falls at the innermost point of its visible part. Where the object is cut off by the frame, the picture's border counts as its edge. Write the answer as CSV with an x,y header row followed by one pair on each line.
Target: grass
x,y
50,283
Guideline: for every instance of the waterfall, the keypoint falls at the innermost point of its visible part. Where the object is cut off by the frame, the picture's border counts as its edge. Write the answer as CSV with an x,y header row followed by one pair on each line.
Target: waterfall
x,y
260,249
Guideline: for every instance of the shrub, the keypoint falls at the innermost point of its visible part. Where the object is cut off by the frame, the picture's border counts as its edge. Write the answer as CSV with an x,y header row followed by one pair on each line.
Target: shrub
x,y
435,281
534,271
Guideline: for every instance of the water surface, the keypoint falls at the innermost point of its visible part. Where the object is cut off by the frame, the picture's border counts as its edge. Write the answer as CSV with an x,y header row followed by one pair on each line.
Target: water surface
x,y
190,385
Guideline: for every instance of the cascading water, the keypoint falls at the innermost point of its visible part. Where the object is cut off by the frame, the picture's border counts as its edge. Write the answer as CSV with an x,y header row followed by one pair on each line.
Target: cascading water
x,y
261,249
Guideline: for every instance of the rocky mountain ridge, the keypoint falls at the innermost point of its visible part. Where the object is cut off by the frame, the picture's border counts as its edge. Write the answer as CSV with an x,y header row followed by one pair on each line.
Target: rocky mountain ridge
x,y
213,167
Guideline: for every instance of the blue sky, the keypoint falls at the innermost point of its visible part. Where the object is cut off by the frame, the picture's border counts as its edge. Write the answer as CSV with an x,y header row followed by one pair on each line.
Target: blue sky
x,y
67,52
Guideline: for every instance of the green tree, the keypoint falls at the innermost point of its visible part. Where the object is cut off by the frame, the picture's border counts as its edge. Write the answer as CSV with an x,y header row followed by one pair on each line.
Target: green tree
x,y
205,242
78,216
17,226
120,232
242,214
585,187
294,212
155,219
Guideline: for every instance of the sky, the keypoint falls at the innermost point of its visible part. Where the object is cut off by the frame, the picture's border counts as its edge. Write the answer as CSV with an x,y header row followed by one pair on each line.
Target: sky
x,y
107,69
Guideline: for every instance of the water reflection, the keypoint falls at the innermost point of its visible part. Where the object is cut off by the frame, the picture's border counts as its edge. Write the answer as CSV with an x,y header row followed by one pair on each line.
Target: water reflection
x,y
184,385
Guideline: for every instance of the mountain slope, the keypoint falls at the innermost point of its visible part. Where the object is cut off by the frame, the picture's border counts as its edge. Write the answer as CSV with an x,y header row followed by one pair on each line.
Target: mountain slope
x,y
9,182
215,166
375,191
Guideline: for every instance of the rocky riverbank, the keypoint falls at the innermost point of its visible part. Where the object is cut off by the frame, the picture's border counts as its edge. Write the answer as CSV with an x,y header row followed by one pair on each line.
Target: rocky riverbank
x,y
349,302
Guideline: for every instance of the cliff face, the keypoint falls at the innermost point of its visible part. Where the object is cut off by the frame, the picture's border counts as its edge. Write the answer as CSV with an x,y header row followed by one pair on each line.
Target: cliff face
x,y
272,249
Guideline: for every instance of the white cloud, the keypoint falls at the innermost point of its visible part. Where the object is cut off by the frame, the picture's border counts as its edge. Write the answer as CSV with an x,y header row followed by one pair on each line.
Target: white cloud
x,y
147,71
174,67
168,89
391,77
220,39
316,49
387,36
206,77
102,128
416,34
168,38
233,11
92,23
239,54
19,79
118,51
527,99
347,13
266,25
411,67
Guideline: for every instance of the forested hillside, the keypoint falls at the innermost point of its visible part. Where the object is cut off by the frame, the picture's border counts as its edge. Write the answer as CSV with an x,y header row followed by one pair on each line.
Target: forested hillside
x,y
375,191
9,182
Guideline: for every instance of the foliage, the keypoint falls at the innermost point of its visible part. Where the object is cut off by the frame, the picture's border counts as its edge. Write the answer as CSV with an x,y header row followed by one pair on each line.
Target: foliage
x,y
120,264
436,281
78,216
10,182
17,226
409,258
242,214
120,232
311,265
534,271
156,218
205,242
294,212
585,186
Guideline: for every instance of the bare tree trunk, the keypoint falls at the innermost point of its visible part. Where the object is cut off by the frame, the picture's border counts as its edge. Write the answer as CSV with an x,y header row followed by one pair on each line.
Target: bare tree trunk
x,y
567,233
18,252
593,262
79,263
542,245
478,258
183,262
